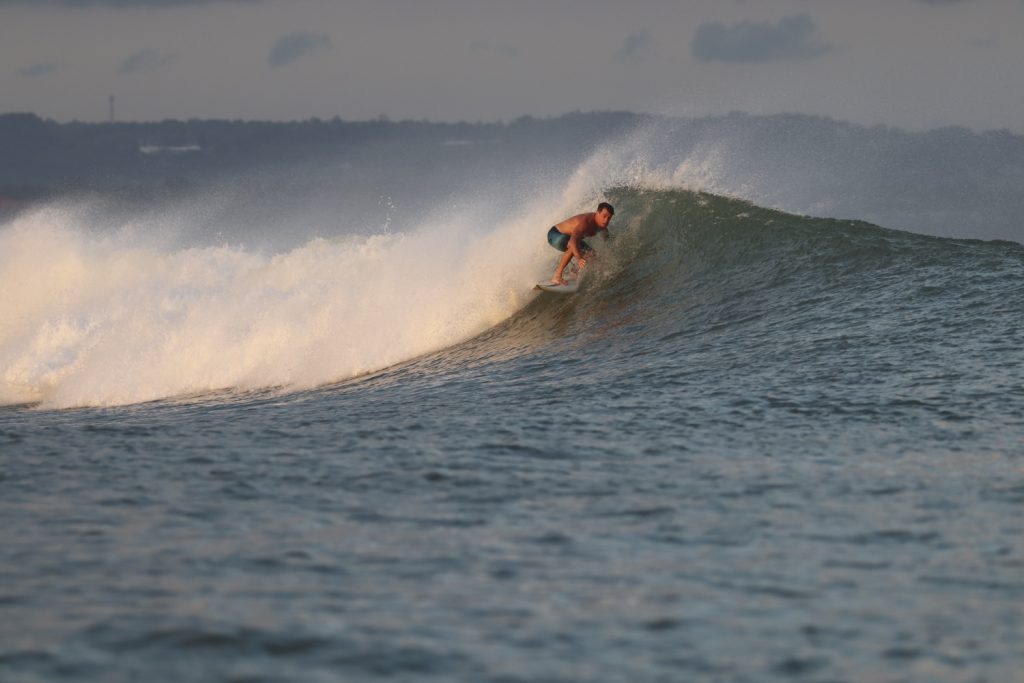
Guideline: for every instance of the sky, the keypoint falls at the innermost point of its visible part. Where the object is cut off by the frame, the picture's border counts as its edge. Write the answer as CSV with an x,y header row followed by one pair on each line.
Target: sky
x,y
914,64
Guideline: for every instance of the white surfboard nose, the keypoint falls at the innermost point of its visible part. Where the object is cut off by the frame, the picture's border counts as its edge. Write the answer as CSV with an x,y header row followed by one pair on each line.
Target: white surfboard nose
x,y
569,287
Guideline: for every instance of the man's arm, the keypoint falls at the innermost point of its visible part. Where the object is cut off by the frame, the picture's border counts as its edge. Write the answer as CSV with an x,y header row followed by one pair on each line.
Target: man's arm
x,y
574,243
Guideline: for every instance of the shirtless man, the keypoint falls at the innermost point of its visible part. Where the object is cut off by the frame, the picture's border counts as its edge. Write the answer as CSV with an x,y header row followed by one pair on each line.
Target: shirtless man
x,y
568,236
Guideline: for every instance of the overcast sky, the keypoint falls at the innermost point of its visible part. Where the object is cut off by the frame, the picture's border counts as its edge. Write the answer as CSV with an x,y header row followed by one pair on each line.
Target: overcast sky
x,y
912,63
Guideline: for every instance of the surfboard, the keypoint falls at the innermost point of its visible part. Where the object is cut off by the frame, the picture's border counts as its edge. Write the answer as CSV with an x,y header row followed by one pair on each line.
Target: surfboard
x,y
569,287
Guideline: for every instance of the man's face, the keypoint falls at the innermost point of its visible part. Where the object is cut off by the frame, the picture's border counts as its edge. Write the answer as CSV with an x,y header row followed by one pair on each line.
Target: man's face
x,y
603,218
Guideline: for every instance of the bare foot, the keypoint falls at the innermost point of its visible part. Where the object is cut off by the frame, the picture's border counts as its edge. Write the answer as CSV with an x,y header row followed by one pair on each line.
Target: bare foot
x,y
558,281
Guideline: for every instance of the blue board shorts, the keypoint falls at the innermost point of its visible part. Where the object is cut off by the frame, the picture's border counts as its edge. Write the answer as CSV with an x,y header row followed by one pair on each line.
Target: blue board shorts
x,y
560,241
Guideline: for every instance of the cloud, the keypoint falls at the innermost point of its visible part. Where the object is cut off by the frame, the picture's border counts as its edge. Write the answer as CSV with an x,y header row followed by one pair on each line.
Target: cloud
x,y
297,45
144,60
636,47
791,39
38,70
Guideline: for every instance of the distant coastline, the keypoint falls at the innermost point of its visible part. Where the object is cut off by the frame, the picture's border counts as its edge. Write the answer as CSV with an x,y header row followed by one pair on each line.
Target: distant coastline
x,y
944,181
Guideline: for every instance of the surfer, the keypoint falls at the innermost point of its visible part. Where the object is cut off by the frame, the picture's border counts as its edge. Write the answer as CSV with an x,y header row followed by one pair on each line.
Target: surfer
x,y
568,235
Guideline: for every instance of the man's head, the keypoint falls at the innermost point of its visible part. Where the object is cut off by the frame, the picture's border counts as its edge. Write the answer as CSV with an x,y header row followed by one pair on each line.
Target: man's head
x,y
604,214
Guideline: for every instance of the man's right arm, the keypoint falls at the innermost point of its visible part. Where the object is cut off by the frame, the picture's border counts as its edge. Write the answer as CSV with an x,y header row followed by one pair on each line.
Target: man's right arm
x,y
573,246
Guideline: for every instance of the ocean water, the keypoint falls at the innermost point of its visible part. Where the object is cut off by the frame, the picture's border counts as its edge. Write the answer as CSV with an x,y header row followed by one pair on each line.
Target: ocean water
x,y
754,447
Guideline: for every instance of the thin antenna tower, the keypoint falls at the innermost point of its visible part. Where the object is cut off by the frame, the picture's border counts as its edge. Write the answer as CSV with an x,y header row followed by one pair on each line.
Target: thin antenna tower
x,y
111,108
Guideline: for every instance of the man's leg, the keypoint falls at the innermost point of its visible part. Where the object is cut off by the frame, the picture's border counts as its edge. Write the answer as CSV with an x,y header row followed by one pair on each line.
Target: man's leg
x,y
562,263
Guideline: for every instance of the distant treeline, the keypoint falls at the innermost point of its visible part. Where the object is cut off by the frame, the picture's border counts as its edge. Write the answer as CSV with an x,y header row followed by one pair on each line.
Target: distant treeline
x,y
38,155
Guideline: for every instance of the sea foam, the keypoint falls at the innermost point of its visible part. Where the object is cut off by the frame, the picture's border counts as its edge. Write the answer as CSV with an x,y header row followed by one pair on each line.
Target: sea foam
x,y
111,318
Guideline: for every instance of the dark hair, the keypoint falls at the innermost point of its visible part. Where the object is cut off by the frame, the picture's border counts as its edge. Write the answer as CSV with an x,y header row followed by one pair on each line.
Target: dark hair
x,y
606,205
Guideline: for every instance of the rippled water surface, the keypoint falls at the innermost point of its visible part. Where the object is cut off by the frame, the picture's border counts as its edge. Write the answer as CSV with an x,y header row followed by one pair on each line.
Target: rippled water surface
x,y
784,452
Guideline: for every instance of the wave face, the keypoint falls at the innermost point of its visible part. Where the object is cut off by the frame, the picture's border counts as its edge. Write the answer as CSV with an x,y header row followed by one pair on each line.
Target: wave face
x,y
703,279
691,267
